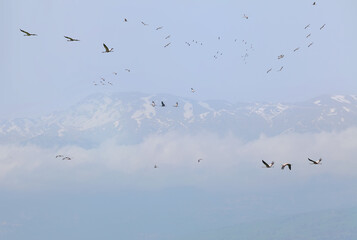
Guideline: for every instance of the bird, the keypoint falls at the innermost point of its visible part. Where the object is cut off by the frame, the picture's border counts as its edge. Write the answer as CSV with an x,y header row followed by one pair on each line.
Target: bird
x,y
322,26
156,166
280,56
310,44
66,158
27,34
71,39
126,69
199,160
125,20
59,156
308,25
245,16
314,3
296,49
269,70
107,50
176,105
188,44
153,103
168,37
115,73
144,23
162,104
308,35
167,44
284,165
281,69
268,165
158,28
193,90
315,162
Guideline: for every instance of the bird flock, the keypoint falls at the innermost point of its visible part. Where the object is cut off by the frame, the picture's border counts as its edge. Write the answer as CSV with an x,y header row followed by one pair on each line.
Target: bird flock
x,y
218,54
271,165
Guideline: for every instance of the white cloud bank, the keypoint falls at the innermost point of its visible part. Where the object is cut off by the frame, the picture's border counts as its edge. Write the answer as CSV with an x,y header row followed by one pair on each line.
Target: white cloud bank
x,y
225,160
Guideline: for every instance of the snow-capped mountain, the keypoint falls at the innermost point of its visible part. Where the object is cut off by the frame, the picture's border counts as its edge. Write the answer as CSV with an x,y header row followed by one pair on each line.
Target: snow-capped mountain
x,y
130,117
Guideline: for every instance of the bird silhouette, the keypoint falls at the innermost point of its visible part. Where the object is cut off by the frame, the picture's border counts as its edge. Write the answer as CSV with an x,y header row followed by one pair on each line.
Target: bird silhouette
x,y
268,165
107,50
315,162
284,165
69,39
27,34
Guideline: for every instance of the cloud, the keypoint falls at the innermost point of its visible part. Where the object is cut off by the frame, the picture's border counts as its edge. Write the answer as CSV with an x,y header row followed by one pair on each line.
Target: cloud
x,y
227,161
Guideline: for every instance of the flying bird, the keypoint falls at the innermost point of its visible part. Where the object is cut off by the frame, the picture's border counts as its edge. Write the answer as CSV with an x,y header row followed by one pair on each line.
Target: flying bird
x,y
162,104
280,56
314,3
167,44
107,50
284,165
27,34
69,39
144,24
322,26
66,158
126,69
158,28
308,25
269,70
193,90
115,73
245,16
188,44
268,165
315,162
199,160
59,156
296,49
156,166
310,44
168,37
176,105
125,20
308,35
153,103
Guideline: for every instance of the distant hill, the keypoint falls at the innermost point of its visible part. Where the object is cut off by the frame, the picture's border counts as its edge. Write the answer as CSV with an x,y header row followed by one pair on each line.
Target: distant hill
x,y
130,117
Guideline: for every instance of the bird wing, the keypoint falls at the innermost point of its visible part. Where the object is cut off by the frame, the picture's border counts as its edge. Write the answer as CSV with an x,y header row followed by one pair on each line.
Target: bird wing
x,y
106,48
282,166
289,166
69,38
25,32
311,160
267,165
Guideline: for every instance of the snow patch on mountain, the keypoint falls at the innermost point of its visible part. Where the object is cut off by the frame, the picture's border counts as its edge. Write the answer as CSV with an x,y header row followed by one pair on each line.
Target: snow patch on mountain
x,y
147,113
318,102
340,98
188,114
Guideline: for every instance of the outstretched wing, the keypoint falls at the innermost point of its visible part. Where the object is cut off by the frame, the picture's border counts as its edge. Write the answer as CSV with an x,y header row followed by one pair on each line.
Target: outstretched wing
x,y
289,166
69,38
106,48
267,165
311,160
25,32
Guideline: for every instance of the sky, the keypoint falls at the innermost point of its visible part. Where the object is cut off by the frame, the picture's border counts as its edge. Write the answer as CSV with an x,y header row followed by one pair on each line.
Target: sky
x,y
112,191
46,73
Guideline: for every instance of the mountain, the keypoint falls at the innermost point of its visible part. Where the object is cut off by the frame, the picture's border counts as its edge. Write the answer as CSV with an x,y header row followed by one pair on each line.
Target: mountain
x,y
130,117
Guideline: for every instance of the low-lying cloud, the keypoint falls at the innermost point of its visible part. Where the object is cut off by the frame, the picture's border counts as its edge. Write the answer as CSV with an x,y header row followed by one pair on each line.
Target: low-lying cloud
x,y
226,160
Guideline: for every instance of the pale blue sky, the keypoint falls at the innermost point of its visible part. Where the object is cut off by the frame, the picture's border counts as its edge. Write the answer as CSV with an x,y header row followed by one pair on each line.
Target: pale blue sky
x,y
46,73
